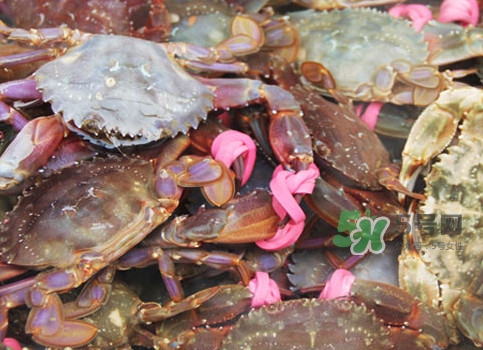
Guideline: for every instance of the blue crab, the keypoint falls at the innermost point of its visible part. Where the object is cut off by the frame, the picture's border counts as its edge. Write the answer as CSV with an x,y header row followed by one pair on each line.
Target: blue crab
x,y
115,99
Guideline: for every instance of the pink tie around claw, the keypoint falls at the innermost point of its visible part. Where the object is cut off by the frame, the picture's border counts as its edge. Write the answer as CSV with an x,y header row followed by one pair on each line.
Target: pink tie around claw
x,y
229,145
418,14
283,185
265,290
465,12
339,285
370,115
12,343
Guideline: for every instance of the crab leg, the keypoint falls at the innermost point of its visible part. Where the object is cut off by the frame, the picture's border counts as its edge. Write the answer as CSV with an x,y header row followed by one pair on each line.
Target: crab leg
x,y
44,36
30,150
294,152
409,319
438,122
242,220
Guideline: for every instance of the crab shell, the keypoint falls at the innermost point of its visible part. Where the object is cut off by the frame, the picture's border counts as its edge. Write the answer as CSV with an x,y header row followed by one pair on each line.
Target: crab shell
x,y
123,91
366,51
95,206
309,324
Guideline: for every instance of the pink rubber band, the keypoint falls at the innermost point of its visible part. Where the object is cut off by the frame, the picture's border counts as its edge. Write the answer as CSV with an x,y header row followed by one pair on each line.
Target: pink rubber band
x,y
371,113
283,185
418,14
339,285
12,343
465,12
231,144
265,290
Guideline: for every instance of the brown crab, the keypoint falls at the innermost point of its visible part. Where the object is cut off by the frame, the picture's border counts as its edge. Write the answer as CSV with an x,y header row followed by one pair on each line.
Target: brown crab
x,y
369,314
79,221
140,18
446,254
309,324
121,319
244,219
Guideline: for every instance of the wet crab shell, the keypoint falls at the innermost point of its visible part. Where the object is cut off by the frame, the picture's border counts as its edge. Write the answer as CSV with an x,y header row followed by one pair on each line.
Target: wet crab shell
x,y
121,91
87,207
309,324
354,44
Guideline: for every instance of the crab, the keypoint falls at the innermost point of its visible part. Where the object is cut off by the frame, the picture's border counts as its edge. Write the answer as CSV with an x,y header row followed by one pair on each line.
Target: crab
x,y
449,279
122,320
406,74
315,324
79,221
147,19
370,314
352,177
123,87
244,219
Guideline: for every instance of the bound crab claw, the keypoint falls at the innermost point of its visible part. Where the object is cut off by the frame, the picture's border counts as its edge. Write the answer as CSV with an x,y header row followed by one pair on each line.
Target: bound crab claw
x,y
244,219
104,115
77,222
412,324
352,176
442,246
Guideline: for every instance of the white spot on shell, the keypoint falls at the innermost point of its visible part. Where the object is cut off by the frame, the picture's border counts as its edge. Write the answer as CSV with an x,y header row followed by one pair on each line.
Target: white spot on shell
x,y
110,82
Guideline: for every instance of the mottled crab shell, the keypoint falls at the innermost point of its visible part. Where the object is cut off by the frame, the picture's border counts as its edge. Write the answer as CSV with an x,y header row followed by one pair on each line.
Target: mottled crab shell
x,y
107,205
309,324
353,44
122,91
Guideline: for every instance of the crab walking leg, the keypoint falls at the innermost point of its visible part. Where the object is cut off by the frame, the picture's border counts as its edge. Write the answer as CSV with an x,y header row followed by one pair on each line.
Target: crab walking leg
x,y
242,220
289,136
36,141
61,330
30,150
12,295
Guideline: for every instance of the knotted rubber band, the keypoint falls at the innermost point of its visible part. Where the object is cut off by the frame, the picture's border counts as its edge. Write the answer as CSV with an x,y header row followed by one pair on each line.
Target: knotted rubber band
x,y
231,144
339,285
12,343
283,185
370,114
418,14
465,12
265,290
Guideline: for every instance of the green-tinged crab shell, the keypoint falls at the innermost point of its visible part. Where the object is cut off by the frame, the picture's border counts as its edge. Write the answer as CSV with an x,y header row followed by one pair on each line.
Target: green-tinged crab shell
x,y
354,44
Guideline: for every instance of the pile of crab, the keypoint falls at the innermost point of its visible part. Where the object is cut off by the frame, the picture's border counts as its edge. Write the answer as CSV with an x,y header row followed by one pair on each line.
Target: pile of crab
x,y
197,174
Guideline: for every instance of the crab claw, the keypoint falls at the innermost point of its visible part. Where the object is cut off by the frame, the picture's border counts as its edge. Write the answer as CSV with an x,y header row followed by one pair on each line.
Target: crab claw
x,y
217,182
439,123
48,327
30,150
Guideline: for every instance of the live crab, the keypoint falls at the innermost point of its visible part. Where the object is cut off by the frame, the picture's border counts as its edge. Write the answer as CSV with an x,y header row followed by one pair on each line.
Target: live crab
x,y
105,105
450,279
